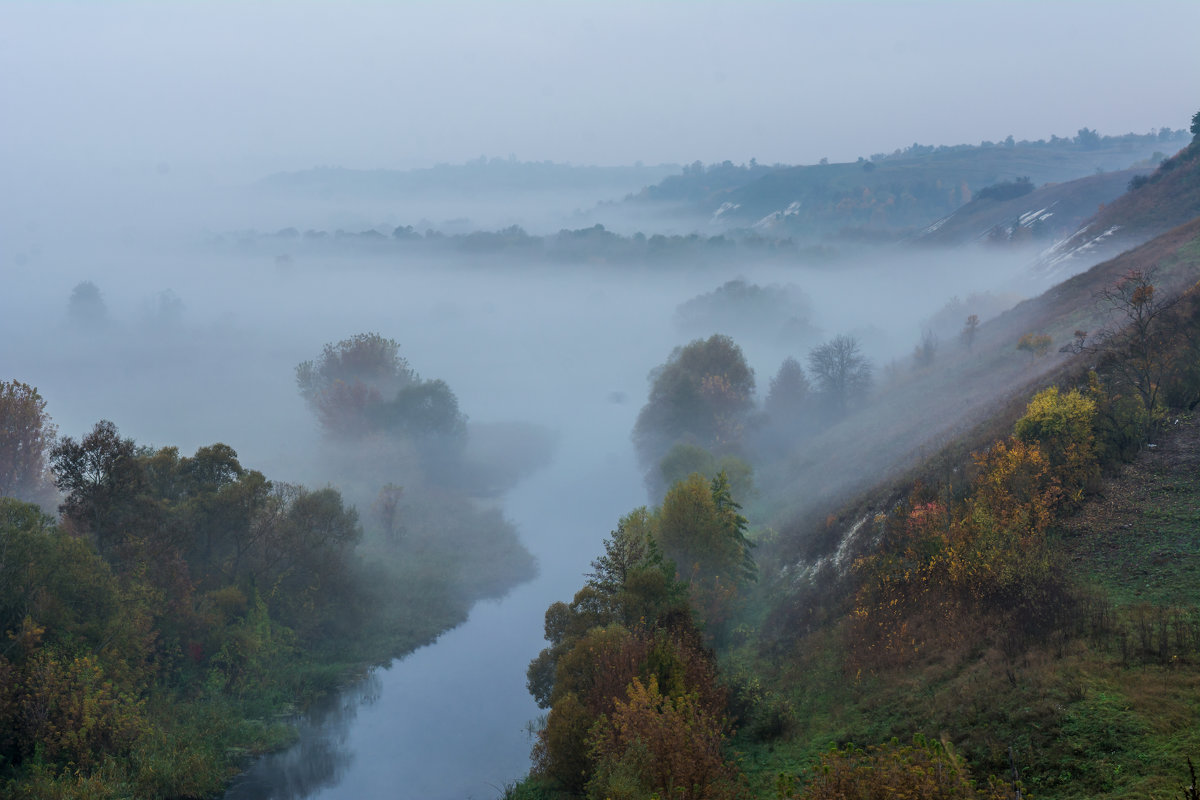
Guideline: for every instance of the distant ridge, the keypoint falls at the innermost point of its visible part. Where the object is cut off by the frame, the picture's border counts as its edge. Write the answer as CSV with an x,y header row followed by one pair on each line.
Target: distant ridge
x,y
481,175
897,194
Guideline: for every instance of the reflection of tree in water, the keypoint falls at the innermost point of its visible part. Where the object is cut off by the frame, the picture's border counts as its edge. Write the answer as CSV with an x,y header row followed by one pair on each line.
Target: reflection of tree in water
x,y
318,758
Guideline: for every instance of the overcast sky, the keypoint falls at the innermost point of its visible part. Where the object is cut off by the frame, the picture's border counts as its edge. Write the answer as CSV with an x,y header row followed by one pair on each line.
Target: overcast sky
x,y
400,84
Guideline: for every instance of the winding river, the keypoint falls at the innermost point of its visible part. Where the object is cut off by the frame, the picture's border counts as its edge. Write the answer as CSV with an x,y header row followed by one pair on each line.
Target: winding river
x,y
450,720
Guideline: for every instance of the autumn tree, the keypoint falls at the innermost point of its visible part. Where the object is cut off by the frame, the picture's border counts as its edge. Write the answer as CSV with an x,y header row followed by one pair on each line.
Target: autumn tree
x,y
702,394
26,436
598,669
924,769
362,386
350,378
1063,425
631,584
69,631
629,626
1036,344
684,458
842,372
366,358
701,529
653,744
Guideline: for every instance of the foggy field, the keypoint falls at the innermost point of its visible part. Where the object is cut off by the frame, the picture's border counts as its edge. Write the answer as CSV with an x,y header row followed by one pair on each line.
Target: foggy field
x,y
542,345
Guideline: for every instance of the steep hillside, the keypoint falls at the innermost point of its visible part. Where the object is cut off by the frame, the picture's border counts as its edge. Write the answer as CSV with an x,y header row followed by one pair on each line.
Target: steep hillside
x,y
1047,213
1170,196
1033,606
925,409
1107,707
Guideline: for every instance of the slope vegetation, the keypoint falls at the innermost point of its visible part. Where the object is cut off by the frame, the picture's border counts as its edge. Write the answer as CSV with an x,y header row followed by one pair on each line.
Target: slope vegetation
x,y
1169,197
1024,593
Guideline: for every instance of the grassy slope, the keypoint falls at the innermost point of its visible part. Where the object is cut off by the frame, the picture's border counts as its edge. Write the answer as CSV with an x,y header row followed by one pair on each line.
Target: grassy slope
x,y
968,399
1171,197
1102,716
1070,203
1097,716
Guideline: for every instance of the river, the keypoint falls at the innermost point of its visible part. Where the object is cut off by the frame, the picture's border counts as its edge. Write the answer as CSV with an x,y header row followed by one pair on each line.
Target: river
x,y
451,719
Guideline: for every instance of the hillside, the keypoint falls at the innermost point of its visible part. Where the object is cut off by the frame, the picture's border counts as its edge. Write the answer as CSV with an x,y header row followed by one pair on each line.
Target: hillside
x,y
1069,653
925,409
965,578
909,189
1044,214
1170,196
1108,708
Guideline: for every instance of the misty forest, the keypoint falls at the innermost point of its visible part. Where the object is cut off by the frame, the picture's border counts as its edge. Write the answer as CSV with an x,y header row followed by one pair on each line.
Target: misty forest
x,y
338,464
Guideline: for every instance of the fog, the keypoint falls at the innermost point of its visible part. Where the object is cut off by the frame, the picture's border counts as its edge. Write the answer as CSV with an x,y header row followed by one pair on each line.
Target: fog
x,y
137,154
562,347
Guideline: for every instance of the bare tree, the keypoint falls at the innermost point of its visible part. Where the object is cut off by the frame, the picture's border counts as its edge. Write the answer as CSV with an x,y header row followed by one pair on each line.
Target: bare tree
x,y
842,372
1136,344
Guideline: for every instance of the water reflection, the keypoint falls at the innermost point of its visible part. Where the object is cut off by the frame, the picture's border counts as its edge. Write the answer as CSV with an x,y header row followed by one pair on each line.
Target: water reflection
x,y
318,759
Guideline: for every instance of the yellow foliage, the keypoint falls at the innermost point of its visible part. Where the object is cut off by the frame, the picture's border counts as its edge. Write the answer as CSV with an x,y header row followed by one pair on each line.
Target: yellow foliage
x,y
1063,426
921,771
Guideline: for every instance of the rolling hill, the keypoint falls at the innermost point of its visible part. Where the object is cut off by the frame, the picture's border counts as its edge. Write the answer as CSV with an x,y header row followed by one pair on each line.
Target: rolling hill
x,y
886,195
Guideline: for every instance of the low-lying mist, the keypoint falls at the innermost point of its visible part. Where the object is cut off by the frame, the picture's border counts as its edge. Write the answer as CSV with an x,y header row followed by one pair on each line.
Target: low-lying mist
x,y
185,338
195,345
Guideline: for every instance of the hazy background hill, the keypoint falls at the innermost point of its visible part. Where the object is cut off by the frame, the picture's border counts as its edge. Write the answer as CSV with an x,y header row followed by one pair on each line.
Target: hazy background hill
x,y
886,195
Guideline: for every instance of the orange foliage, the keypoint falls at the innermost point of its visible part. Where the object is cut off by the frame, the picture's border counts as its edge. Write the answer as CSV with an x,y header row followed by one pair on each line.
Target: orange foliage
x,y
921,771
659,744
942,565
1015,491
69,711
